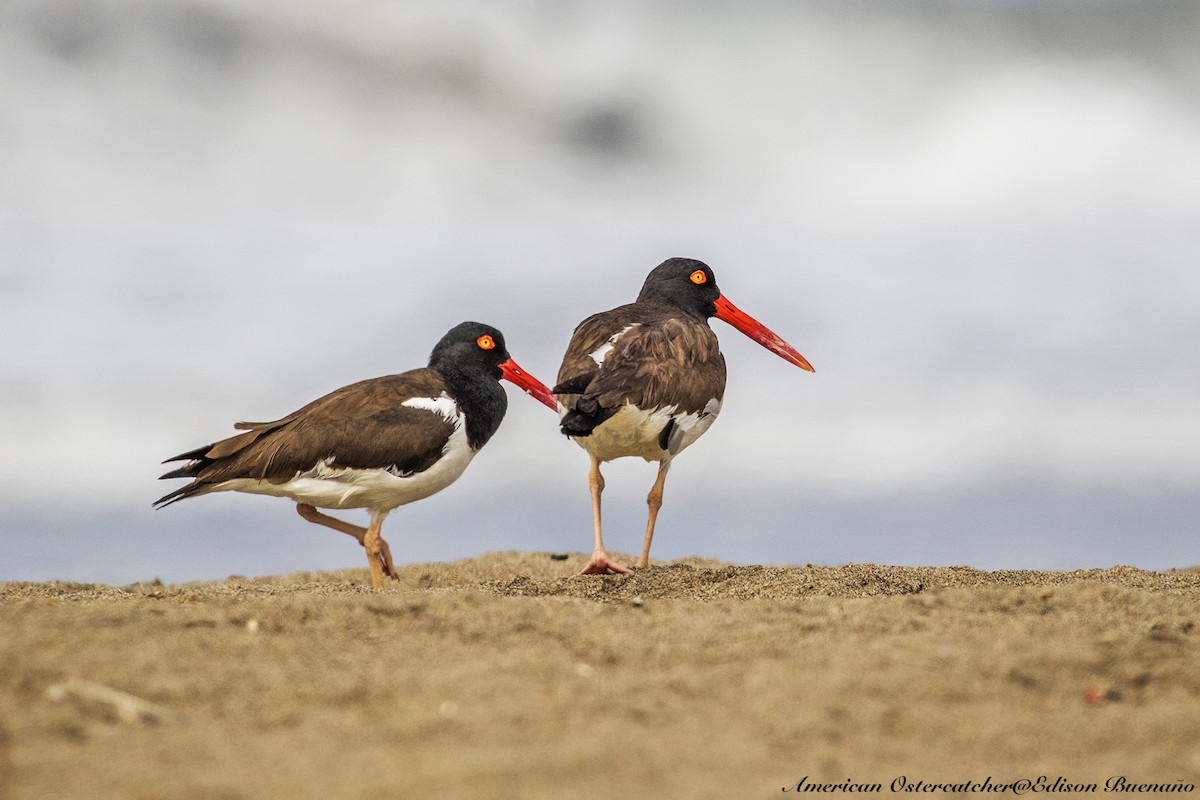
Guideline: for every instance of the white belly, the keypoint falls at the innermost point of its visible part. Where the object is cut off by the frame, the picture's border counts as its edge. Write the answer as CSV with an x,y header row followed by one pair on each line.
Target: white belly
x,y
635,432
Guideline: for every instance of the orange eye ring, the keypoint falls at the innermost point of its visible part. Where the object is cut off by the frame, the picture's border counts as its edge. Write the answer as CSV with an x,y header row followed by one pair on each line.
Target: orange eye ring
x,y
486,342
698,277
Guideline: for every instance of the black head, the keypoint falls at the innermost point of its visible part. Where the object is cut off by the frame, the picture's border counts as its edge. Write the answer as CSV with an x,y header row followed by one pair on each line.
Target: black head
x,y
686,284
470,347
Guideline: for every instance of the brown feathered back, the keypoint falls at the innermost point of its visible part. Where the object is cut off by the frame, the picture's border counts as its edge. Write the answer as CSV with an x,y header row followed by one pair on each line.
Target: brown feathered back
x,y
364,425
667,358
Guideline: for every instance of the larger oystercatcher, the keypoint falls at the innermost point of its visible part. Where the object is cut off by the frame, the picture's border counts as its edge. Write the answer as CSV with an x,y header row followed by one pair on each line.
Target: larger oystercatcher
x,y
646,379
376,444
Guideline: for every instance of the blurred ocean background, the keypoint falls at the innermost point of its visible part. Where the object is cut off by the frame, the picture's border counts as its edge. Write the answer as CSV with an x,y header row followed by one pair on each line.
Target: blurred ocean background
x,y
980,220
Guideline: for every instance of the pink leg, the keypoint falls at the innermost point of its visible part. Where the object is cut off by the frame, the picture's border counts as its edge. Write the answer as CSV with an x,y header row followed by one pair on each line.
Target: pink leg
x,y
311,514
599,565
375,558
654,503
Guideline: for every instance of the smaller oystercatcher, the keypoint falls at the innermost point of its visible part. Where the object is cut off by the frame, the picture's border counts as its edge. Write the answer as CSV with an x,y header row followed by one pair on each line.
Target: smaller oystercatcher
x,y
647,379
376,444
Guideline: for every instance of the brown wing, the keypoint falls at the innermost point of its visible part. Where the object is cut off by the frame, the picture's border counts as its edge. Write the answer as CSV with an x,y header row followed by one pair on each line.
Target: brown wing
x,y
578,367
667,359
364,425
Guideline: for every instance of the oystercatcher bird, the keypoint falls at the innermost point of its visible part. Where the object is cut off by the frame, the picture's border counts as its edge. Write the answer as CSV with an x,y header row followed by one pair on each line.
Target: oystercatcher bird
x,y
647,379
376,444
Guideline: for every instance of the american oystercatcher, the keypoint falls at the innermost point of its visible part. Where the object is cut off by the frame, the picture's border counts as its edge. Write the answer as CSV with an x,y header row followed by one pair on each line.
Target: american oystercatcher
x,y
376,444
646,379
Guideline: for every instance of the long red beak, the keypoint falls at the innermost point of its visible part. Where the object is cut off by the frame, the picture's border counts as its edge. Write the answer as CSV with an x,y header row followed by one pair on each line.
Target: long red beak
x,y
759,333
530,384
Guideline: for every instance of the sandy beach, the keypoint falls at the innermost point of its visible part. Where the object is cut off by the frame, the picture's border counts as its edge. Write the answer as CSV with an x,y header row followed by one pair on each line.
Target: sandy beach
x,y
503,676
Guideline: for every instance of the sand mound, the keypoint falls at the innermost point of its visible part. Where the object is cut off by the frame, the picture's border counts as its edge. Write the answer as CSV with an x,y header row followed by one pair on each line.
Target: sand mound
x,y
503,676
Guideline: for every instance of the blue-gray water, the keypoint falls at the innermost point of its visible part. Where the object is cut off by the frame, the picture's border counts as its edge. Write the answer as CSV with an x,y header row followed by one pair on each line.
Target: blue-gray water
x,y
979,221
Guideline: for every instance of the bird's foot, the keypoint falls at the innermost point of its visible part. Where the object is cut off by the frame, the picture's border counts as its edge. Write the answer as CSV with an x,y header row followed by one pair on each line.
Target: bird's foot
x,y
379,559
600,565
385,559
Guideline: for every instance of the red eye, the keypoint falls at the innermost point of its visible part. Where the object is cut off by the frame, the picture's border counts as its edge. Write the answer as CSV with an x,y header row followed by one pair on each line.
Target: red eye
x,y
698,277
486,342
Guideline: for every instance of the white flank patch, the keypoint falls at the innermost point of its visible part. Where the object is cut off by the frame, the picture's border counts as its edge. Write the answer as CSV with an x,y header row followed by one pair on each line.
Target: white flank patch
x,y
380,490
601,352
635,432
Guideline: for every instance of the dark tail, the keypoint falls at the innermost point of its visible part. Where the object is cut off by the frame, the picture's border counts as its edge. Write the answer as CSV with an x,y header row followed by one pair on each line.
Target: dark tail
x,y
197,463
584,416
181,493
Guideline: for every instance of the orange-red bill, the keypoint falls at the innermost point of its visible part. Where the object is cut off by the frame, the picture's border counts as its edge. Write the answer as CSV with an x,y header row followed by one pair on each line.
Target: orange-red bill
x,y
532,386
760,333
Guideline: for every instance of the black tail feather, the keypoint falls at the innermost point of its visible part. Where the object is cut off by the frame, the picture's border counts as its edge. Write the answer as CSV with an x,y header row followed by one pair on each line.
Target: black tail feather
x,y
197,463
585,415
576,385
187,471
190,455
182,493
197,459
